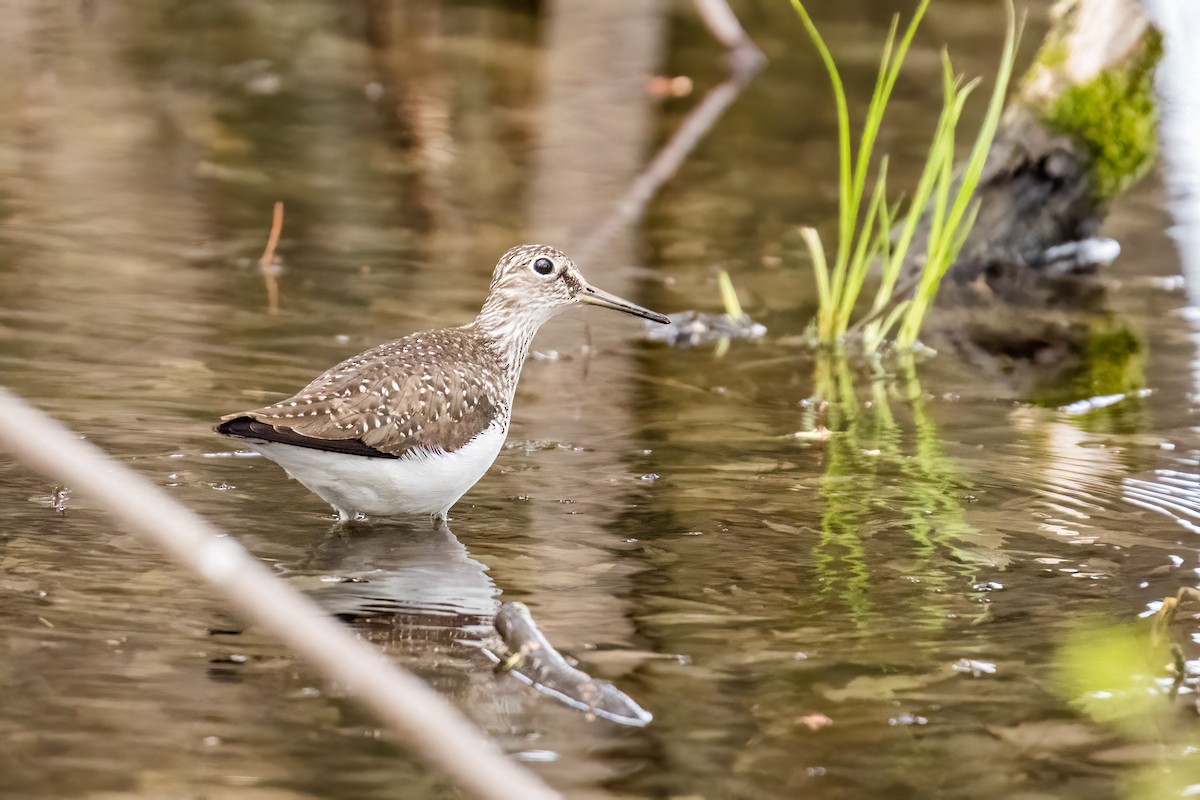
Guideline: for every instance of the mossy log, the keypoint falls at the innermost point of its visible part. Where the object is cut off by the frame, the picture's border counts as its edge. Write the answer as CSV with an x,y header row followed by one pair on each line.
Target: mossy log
x,y
1079,130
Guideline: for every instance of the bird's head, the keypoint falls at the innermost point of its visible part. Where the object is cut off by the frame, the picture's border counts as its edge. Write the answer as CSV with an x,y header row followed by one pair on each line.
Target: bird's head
x,y
535,282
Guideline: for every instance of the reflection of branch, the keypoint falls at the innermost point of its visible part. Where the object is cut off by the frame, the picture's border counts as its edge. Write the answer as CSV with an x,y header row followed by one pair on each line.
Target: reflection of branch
x,y
418,715
267,265
723,23
745,60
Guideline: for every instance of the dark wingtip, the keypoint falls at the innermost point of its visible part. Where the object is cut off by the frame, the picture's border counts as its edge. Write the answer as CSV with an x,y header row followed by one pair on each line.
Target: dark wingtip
x,y
245,427
237,426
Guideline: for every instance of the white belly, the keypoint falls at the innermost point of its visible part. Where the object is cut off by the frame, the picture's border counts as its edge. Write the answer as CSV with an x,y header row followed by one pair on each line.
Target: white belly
x,y
424,483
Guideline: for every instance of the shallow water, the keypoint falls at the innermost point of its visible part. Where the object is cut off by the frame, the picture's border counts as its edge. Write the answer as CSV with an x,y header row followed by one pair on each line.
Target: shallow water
x,y
653,507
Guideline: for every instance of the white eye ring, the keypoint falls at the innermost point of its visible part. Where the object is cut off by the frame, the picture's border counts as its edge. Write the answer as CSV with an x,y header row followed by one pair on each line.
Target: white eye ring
x,y
543,266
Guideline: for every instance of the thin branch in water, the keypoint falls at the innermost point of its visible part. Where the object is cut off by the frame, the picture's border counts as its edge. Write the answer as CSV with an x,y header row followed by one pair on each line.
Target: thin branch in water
x,y
268,265
534,660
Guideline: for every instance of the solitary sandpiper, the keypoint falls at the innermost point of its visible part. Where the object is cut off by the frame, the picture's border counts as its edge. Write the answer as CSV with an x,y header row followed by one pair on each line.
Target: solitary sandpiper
x,y
409,426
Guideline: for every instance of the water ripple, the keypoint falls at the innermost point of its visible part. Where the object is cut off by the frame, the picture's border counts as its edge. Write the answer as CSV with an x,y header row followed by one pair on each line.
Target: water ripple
x,y
1174,494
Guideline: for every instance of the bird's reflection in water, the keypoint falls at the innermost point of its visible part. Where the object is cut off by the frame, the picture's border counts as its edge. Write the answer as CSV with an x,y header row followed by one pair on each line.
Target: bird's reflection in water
x,y
414,591
411,588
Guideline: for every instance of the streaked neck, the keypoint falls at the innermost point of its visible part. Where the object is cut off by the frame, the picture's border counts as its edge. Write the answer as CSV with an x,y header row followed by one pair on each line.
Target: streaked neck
x,y
509,332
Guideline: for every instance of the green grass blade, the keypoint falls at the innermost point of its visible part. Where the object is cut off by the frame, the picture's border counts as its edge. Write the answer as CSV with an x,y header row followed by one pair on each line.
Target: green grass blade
x,y
866,144
891,269
902,50
885,60
729,298
843,119
884,247
892,318
940,159
960,238
870,332
945,170
812,240
945,181
889,71
940,199
958,220
991,122
866,248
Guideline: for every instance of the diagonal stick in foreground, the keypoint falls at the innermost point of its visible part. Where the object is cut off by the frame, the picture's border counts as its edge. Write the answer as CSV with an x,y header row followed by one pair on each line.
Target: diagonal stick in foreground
x,y
422,719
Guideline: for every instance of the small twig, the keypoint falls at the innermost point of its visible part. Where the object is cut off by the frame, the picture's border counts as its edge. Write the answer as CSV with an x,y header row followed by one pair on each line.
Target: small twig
x,y
267,264
422,719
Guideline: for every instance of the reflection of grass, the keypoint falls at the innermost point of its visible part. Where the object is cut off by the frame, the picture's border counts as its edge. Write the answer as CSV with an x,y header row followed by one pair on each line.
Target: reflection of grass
x,y
841,557
868,465
937,515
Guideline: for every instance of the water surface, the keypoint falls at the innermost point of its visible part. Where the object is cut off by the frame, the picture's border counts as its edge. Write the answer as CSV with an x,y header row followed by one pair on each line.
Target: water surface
x,y
653,507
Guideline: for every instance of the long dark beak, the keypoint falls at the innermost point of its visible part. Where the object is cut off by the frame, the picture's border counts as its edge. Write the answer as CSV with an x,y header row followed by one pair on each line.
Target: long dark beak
x,y
598,297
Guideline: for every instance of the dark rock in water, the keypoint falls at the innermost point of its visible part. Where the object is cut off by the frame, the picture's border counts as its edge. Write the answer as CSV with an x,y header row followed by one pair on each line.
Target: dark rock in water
x,y
689,328
534,660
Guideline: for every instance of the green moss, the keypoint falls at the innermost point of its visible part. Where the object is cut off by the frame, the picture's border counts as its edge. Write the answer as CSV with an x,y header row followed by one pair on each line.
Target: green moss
x,y
1114,362
1111,361
1114,116
1052,54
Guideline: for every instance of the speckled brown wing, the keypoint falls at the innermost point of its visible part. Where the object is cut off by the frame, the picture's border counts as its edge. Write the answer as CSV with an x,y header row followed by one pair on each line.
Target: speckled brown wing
x,y
430,391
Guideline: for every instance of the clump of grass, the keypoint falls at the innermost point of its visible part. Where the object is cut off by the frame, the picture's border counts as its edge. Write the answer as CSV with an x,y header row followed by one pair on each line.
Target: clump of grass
x,y
864,238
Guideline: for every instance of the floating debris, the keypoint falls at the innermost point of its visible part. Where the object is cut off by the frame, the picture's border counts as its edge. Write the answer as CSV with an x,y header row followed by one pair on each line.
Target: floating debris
x,y
57,499
1083,255
690,328
905,719
815,721
819,433
534,660
973,667
1102,401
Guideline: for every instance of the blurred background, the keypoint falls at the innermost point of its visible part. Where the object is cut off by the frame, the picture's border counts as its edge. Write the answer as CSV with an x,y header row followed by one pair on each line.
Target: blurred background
x,y
879,613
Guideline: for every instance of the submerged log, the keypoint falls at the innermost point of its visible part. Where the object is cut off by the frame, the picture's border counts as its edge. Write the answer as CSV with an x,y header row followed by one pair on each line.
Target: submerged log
x,y
534,660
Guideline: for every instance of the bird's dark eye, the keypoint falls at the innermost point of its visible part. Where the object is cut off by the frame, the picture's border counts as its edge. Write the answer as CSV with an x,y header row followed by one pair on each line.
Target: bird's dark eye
x,y
543,266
